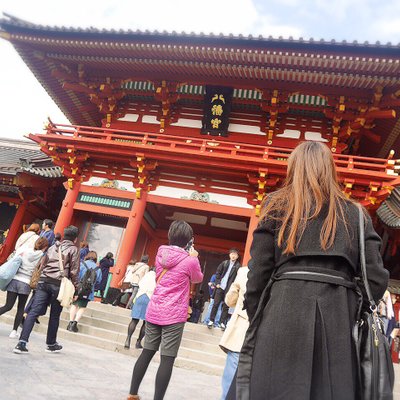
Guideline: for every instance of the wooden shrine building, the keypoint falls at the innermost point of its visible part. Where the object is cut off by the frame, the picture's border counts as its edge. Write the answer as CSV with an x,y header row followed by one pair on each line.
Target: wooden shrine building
x,y
199,127
30,190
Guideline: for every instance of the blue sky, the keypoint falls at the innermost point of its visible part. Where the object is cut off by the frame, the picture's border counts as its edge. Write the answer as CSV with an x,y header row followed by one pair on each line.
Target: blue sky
x,y
25,110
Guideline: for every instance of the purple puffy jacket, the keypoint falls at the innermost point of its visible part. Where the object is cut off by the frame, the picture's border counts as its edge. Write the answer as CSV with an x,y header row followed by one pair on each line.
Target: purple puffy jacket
x,y
170,301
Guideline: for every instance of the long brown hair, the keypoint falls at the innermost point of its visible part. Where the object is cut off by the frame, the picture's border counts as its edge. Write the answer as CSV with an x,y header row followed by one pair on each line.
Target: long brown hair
x,y
34,228
311,183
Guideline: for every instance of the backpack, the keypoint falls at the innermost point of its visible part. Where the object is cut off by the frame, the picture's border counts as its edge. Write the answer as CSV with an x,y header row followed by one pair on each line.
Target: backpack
x,y
86,285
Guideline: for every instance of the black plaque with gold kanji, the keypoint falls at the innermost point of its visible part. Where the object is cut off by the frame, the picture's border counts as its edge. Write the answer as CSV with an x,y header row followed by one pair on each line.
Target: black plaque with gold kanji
x,y
217,107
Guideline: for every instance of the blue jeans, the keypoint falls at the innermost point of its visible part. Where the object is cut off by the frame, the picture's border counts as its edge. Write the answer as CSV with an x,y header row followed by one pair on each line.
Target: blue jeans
x,y
232,361
46,295
218,316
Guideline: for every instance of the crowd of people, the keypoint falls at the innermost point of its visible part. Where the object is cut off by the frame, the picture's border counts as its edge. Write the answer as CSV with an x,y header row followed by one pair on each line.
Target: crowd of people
x,y
286,318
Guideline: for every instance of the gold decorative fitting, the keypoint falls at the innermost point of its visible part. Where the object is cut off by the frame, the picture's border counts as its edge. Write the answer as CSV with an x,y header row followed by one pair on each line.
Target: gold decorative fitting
x,y
71,183
138,193
5,35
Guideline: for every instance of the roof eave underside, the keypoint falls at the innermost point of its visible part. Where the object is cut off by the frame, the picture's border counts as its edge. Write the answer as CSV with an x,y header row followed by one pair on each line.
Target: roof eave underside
x,y
15,25
389,211
68,102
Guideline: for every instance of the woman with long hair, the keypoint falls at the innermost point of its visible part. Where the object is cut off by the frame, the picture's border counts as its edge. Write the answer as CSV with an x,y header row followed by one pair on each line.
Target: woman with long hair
x,y
28,238
299,344
19,287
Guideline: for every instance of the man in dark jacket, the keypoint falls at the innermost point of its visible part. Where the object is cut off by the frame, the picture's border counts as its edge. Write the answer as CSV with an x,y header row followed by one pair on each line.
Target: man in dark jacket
x,y
47,231
225,275
49,287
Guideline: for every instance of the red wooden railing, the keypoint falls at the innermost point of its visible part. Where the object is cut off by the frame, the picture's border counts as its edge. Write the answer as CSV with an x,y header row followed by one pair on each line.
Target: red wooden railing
x,y
374,175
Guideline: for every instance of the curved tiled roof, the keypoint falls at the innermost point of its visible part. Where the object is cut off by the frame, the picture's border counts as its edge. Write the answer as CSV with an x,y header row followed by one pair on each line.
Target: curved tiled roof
x,y
12,21
389,211
18,156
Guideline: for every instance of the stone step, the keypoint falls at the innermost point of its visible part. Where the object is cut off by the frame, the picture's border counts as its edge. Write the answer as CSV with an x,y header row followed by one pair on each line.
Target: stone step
x,y
187,358
194,332
199,349
117,319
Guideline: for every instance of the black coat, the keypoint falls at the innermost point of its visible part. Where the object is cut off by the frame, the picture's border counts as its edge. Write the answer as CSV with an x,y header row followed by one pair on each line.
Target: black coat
x,y
105,265
223,269
299,344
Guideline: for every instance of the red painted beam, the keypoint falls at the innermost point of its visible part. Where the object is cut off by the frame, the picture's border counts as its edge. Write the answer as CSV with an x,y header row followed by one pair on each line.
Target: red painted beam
x,y
196,205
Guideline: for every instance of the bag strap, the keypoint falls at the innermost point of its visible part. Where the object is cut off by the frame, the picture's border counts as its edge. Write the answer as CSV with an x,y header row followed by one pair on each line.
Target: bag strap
x,y
161,275
60,261
42,263
361,226
25,240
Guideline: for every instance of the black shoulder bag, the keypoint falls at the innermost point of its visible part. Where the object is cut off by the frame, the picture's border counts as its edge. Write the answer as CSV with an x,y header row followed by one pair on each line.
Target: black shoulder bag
x,y
375,368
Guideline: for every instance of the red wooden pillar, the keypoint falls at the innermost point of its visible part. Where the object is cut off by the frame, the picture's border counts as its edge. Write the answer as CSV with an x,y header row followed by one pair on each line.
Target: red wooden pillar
x,y
67,208
131,234
252,226
15,231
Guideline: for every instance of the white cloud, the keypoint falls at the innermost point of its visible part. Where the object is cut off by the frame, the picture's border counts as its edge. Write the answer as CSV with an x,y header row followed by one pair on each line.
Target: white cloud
x,y
25,103
388,29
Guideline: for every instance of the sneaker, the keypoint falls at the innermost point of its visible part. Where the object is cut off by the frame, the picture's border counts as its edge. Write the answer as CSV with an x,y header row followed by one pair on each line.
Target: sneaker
x,y
20,348
54,348
222,326
14,335
210,324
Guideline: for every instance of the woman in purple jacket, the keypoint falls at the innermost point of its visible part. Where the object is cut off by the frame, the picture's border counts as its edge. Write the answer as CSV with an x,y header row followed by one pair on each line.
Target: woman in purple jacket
x,y
177,266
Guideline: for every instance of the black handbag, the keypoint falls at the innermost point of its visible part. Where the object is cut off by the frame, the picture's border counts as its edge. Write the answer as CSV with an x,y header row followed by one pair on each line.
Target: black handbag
x,y
375,367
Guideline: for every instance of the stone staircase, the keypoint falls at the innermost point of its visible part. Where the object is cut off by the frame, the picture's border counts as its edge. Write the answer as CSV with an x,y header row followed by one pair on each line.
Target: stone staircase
x,y
105,327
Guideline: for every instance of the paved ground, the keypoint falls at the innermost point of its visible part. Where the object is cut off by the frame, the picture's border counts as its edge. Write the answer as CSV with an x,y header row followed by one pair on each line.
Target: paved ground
x,y
81,372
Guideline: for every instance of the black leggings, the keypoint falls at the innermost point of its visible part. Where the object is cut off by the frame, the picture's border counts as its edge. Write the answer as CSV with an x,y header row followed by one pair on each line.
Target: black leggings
x,y
131,330
163,374
10,301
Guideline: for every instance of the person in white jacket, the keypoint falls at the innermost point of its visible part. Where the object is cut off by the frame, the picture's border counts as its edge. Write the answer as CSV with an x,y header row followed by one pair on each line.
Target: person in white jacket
x,y
28,239
19,285
139,270
233,337
146,288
